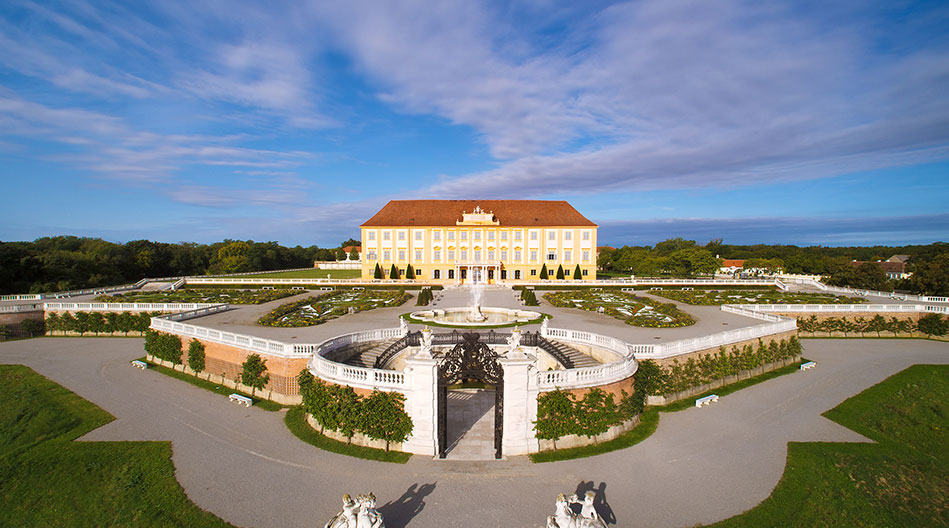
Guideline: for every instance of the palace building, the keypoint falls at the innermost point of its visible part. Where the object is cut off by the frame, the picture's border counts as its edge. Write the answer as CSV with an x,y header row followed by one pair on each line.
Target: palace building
x,y
478,241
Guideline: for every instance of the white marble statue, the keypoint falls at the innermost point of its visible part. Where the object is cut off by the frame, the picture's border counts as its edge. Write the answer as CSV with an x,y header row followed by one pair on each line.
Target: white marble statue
x,y
347,517
426,348
564,517
515,340
588,512
368,516
543,327
403,326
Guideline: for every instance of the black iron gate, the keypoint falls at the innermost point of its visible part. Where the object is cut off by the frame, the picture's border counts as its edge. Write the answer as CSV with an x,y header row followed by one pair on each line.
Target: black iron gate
x,y
470,359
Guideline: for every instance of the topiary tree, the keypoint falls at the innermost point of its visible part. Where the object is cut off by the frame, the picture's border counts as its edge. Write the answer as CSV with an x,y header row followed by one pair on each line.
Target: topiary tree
x,y
349,412
254,373
67,322
196,356
384,417
577,274
393,272
125,322
96,322
556,415
560,275
410,272
543,271
81,323
353,254
32,326
111,322
53,322
377,274
933,325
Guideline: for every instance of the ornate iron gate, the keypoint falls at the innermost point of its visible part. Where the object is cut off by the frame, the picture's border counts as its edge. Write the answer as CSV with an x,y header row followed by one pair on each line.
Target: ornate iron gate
x,y
470,359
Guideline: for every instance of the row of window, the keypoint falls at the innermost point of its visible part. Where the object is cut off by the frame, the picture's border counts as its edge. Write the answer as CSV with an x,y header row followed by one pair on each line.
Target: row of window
x,y
477,254
450,274
476,235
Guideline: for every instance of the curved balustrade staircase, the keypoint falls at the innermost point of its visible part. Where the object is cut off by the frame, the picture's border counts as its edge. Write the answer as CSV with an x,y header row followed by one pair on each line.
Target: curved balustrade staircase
x,y
361,354
579,359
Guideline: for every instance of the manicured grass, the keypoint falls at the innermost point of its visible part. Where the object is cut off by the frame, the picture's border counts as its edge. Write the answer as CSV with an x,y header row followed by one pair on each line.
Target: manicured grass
x,y
709,297
296,423
46,479
901,481
202,295
649,420
303,274
223,390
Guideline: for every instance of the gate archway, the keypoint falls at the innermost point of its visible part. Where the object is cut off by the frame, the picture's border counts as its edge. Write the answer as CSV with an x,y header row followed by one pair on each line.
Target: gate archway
x,y
471,359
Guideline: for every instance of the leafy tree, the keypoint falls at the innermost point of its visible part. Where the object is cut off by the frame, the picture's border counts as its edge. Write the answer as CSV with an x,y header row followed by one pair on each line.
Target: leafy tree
x,y
353,254
53,322
385,417
556,415
349,412
577,274
560,275
81,324
233,258
32,326
931,277
125,322
340,254
5,332
393,272
254,373
410,272
543,271
377,274
111,322
143,320
196,355
67,322
95,322
598,412
933,324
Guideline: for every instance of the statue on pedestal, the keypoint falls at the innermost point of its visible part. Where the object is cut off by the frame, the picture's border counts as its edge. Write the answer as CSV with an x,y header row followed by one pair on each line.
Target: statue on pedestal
x,y
543,327
426,348
359,513
564,517
403,327
515,340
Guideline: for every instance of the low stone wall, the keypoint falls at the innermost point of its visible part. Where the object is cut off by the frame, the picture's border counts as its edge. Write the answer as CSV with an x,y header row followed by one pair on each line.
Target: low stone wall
x,y
668,362
265,393
727,380
616,389
358,439
566,442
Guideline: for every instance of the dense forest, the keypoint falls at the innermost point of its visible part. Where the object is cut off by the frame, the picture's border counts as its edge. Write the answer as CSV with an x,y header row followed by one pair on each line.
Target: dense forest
x,y
683,258
65,263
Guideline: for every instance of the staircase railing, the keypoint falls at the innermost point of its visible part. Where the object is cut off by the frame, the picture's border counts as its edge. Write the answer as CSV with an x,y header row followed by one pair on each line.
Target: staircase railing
x,y
554,351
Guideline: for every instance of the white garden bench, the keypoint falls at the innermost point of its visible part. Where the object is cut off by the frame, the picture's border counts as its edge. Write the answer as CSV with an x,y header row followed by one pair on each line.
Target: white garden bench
x,y
809,364
706,400
243,400
139,364
297,287
267,288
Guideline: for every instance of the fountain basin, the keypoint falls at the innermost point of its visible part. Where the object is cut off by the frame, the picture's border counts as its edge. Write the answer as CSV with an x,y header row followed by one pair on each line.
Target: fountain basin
x,y
463,316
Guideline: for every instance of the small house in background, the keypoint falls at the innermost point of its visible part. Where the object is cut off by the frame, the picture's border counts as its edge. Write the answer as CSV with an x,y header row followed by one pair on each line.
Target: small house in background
x,y
349,249
731,266
893,267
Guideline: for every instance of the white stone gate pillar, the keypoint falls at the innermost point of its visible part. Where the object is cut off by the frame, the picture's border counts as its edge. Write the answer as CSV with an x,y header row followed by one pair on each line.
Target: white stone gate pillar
x,y
520,405
421,404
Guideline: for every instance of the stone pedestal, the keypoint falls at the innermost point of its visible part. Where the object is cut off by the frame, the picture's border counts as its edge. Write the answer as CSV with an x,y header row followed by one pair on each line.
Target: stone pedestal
x,y
520,406
421,404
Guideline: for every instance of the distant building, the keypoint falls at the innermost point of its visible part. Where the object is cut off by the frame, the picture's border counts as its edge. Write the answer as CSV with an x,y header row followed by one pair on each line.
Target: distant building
x,y
732,266
483,241
893,267
349,249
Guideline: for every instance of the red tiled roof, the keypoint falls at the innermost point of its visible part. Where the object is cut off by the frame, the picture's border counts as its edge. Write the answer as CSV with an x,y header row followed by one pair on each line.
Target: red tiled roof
x,y
349,249
527,213
737,263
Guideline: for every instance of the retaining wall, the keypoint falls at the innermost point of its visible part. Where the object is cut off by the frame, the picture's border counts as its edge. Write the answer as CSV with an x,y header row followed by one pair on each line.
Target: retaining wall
x,y
358,439
566,442
668,362
727,380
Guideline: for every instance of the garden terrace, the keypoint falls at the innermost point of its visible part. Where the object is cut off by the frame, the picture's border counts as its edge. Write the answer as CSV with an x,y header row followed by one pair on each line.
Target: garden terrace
x,y
314,311
636,311
752,296
201,295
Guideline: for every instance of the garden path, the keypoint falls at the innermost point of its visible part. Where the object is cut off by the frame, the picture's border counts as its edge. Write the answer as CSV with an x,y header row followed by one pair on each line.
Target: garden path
x,y
700,466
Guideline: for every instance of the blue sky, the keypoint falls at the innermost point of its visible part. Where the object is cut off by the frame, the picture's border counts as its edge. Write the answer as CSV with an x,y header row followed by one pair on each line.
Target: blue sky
x,y
797,122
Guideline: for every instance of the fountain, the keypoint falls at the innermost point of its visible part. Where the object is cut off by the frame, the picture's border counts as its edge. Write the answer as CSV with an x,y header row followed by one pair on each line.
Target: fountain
x,y
475,314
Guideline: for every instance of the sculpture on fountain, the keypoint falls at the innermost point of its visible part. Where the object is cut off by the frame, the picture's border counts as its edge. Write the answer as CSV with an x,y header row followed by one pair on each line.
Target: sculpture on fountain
x,y
476,315
359,513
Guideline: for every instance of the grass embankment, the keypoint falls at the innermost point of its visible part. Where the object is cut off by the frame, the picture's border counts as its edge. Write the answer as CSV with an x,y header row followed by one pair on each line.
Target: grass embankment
x,y
223,390
46,479
649,420
901,481
296,423
303,274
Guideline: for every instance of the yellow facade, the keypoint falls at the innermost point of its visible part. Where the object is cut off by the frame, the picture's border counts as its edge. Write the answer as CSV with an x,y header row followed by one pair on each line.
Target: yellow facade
x,y
479,248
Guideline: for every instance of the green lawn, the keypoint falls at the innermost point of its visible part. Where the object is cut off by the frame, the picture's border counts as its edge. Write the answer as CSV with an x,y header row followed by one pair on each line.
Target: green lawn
x,y
217,388
303,274
901,481
201,295
47,479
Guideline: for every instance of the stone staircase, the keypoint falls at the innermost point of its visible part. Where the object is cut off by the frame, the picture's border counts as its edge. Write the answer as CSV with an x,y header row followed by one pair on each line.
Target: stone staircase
x,y
580,360
361,354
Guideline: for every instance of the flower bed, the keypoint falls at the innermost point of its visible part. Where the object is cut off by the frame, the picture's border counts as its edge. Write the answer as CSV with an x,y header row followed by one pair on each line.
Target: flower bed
x,y
753,296
313,311
200,295
634,310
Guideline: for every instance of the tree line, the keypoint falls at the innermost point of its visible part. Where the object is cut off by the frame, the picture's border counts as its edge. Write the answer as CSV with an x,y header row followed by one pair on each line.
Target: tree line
x,y
67,263
677,257
99,322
